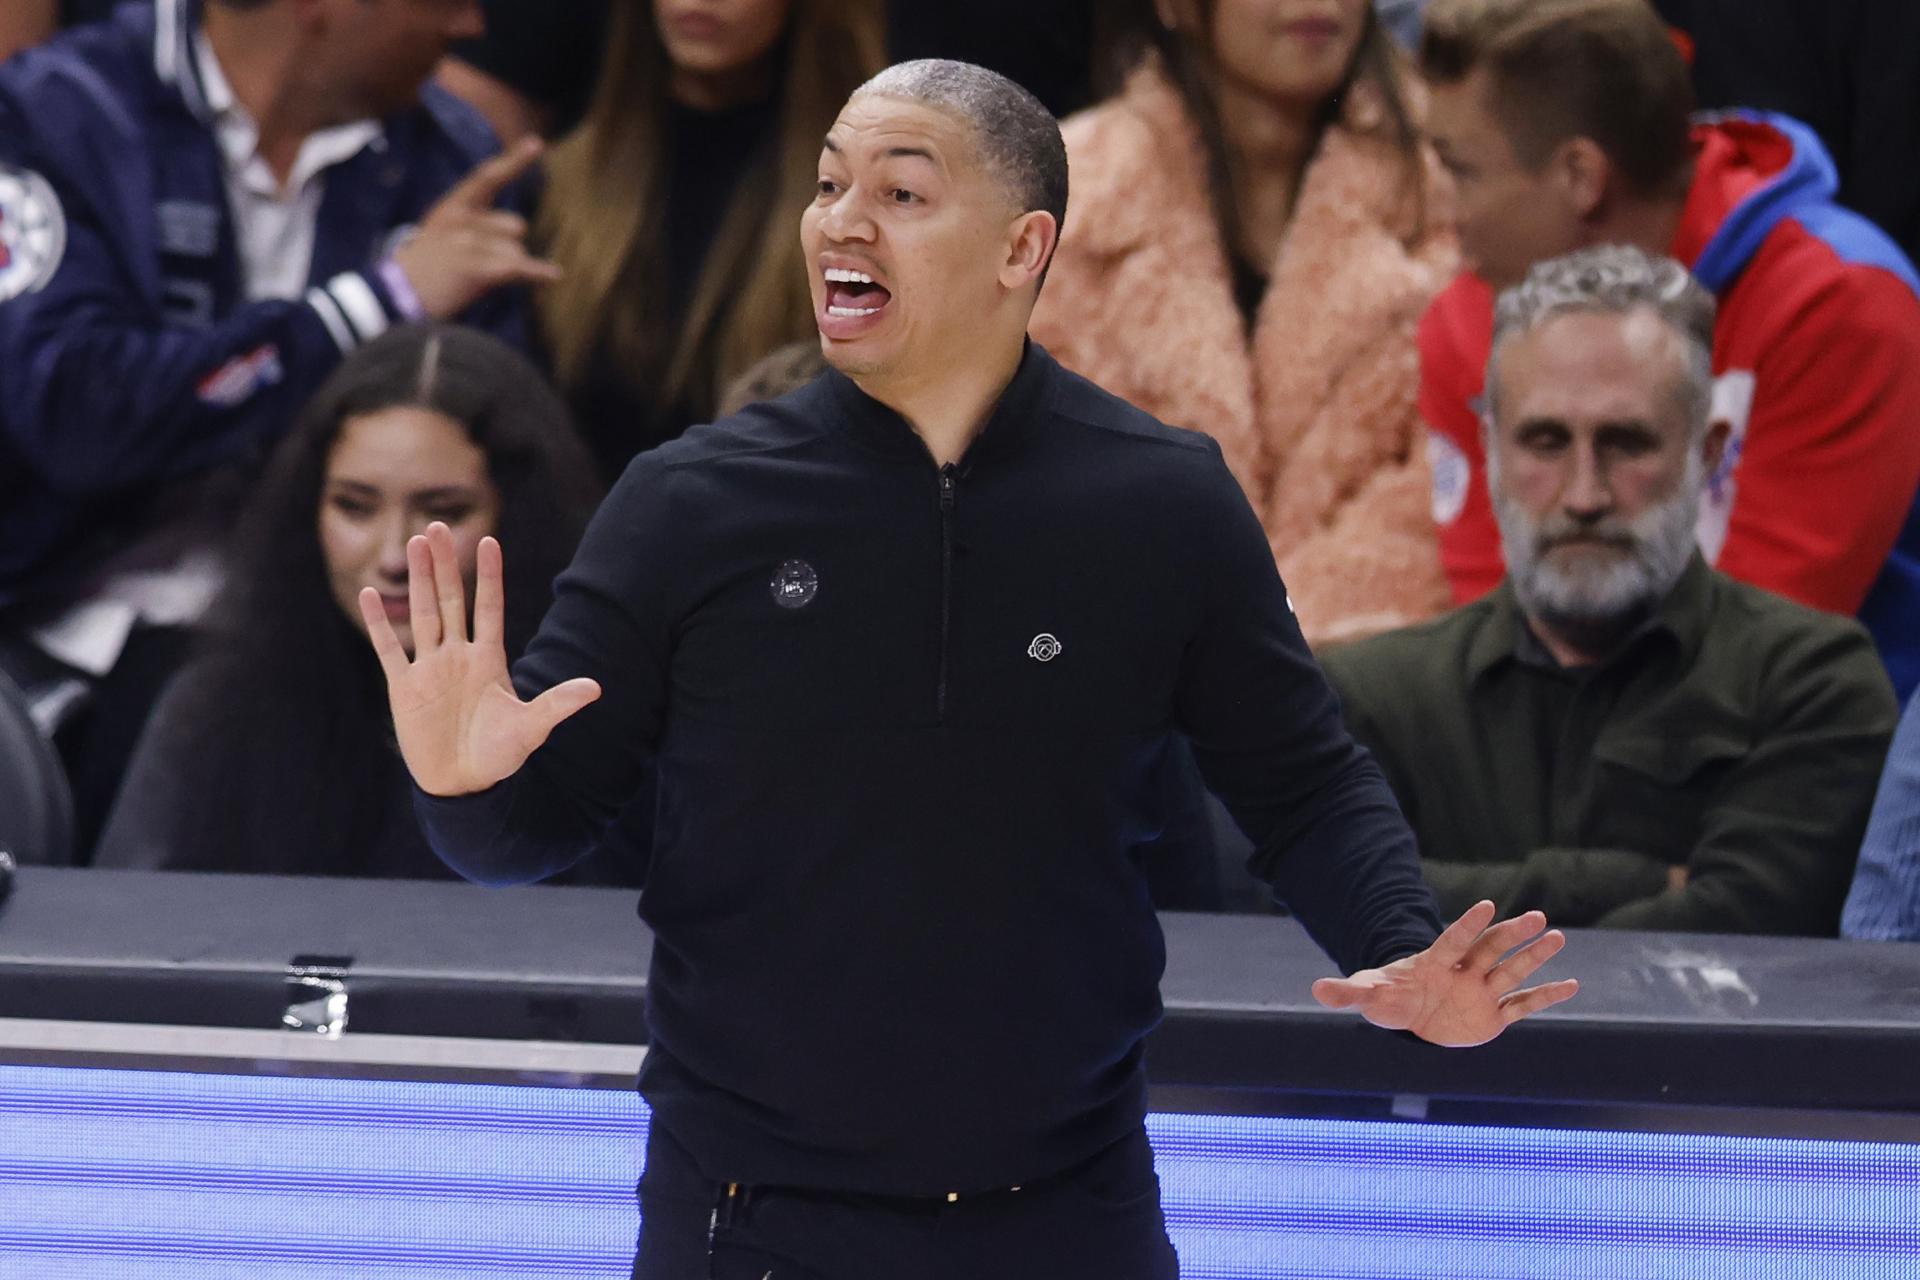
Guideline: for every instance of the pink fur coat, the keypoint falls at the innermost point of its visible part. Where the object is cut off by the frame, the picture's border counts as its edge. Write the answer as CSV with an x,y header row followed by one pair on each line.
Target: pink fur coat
x,y
1315,414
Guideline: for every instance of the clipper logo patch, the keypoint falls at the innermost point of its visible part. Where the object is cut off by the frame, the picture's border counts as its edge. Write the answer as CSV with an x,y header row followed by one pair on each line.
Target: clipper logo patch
x,y
33,232
794,585
1452,474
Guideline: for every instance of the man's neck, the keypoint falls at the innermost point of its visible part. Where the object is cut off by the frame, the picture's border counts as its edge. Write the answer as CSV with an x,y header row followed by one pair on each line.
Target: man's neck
x,y
1647,225
260,54
1584,642
949,409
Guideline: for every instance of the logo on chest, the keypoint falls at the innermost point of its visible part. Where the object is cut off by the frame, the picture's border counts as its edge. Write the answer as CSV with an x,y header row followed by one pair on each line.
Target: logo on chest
x,y
188,228
794,584
1045,647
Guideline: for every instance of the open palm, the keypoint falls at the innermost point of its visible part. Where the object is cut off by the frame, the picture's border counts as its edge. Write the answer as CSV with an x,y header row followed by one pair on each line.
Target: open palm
x,y
1463,990
460,724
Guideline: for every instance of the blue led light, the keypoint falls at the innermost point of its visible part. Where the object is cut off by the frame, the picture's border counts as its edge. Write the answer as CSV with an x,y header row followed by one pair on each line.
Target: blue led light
x,y
131,1175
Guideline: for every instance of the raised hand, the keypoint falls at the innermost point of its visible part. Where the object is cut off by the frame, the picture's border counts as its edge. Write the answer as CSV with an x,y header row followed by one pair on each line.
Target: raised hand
x,y
465,247
1460,991
460,724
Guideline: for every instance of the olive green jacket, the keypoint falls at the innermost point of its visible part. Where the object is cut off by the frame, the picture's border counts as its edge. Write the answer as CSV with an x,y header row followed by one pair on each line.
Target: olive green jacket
x,y
1736,734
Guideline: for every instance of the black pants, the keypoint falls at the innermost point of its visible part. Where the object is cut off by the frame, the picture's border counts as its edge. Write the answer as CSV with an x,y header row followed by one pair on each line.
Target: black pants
x,y
1098,1221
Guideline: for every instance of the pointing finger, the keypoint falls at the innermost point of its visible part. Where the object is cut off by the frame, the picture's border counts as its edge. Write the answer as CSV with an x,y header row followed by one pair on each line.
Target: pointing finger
x,y
480,188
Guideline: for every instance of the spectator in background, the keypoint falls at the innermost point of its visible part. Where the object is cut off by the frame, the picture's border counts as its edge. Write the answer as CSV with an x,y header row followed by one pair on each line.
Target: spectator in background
x,y
1849,68
1044,46
534,68
273,749
201,208
1884,904
671,211
1620,735
532,72
1256,232
1565,123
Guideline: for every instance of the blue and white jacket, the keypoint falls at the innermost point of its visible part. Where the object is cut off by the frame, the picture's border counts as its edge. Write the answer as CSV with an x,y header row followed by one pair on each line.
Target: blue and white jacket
x,y
130,355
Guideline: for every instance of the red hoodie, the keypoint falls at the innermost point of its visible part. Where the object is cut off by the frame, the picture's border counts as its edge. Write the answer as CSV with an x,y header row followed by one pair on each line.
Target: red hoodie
x,y
1817,369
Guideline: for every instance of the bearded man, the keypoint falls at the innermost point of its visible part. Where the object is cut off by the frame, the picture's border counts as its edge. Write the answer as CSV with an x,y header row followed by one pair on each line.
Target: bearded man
x,y
1620,735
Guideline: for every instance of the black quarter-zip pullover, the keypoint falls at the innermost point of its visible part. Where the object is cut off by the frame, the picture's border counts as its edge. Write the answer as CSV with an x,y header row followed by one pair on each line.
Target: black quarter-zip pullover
x,y
908,723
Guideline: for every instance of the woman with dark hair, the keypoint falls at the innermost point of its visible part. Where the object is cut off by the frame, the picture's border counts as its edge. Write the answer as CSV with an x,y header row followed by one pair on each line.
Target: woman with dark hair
x,y
1255,231
672,209
273,749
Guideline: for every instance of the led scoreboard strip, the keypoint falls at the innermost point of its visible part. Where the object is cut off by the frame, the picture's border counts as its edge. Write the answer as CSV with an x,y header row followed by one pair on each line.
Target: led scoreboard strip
x,y
1667,1130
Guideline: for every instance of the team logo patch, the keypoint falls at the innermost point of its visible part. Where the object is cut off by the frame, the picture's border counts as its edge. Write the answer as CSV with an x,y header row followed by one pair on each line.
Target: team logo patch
x,y
236,381
1451,475
1045,647
33,232
794,585
188,228
1732,404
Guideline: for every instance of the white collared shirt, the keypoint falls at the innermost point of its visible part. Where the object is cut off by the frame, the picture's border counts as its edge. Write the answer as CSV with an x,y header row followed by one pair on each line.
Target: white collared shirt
x,y
274,226
170,573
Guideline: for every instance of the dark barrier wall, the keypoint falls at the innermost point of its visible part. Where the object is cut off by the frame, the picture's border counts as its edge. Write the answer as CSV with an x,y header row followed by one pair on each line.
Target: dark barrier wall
x,y
1708,1106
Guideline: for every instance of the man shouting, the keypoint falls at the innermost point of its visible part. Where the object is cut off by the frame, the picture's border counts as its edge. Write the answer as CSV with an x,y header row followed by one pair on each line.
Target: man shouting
x,y
908,649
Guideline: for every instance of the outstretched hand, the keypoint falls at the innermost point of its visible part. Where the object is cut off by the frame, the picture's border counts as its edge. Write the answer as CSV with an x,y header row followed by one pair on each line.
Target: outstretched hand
x,y
1463,990
461,725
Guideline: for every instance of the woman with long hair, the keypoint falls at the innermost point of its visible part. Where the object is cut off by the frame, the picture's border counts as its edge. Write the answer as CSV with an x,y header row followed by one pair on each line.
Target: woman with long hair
x,y
1255,231
673,209
273,749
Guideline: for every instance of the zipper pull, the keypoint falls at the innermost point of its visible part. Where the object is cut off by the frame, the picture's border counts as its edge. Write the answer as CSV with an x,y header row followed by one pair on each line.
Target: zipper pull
x,y
946,487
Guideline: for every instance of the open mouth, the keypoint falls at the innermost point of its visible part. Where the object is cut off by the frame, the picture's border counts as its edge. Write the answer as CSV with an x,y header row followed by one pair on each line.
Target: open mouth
x,y
853,295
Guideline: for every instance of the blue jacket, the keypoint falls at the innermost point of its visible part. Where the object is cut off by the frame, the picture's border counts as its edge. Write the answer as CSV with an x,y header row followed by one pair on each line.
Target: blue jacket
x,y
1884,905
130,356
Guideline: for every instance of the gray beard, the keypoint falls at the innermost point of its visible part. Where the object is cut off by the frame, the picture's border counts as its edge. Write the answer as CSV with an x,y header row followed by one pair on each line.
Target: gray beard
x,y
1602,602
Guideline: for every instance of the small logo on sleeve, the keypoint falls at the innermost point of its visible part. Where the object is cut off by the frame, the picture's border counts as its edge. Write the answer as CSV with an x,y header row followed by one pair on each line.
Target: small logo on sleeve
x,y
1045,647
1452,475
33,232
794,584
236,381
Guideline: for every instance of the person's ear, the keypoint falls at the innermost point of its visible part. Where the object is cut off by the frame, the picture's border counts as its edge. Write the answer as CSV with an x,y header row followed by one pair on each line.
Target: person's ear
x,y
1713,449
1030,244
1582,171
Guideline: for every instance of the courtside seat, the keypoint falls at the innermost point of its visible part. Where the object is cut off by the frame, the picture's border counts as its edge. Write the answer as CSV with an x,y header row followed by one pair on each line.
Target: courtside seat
x,y
36,809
